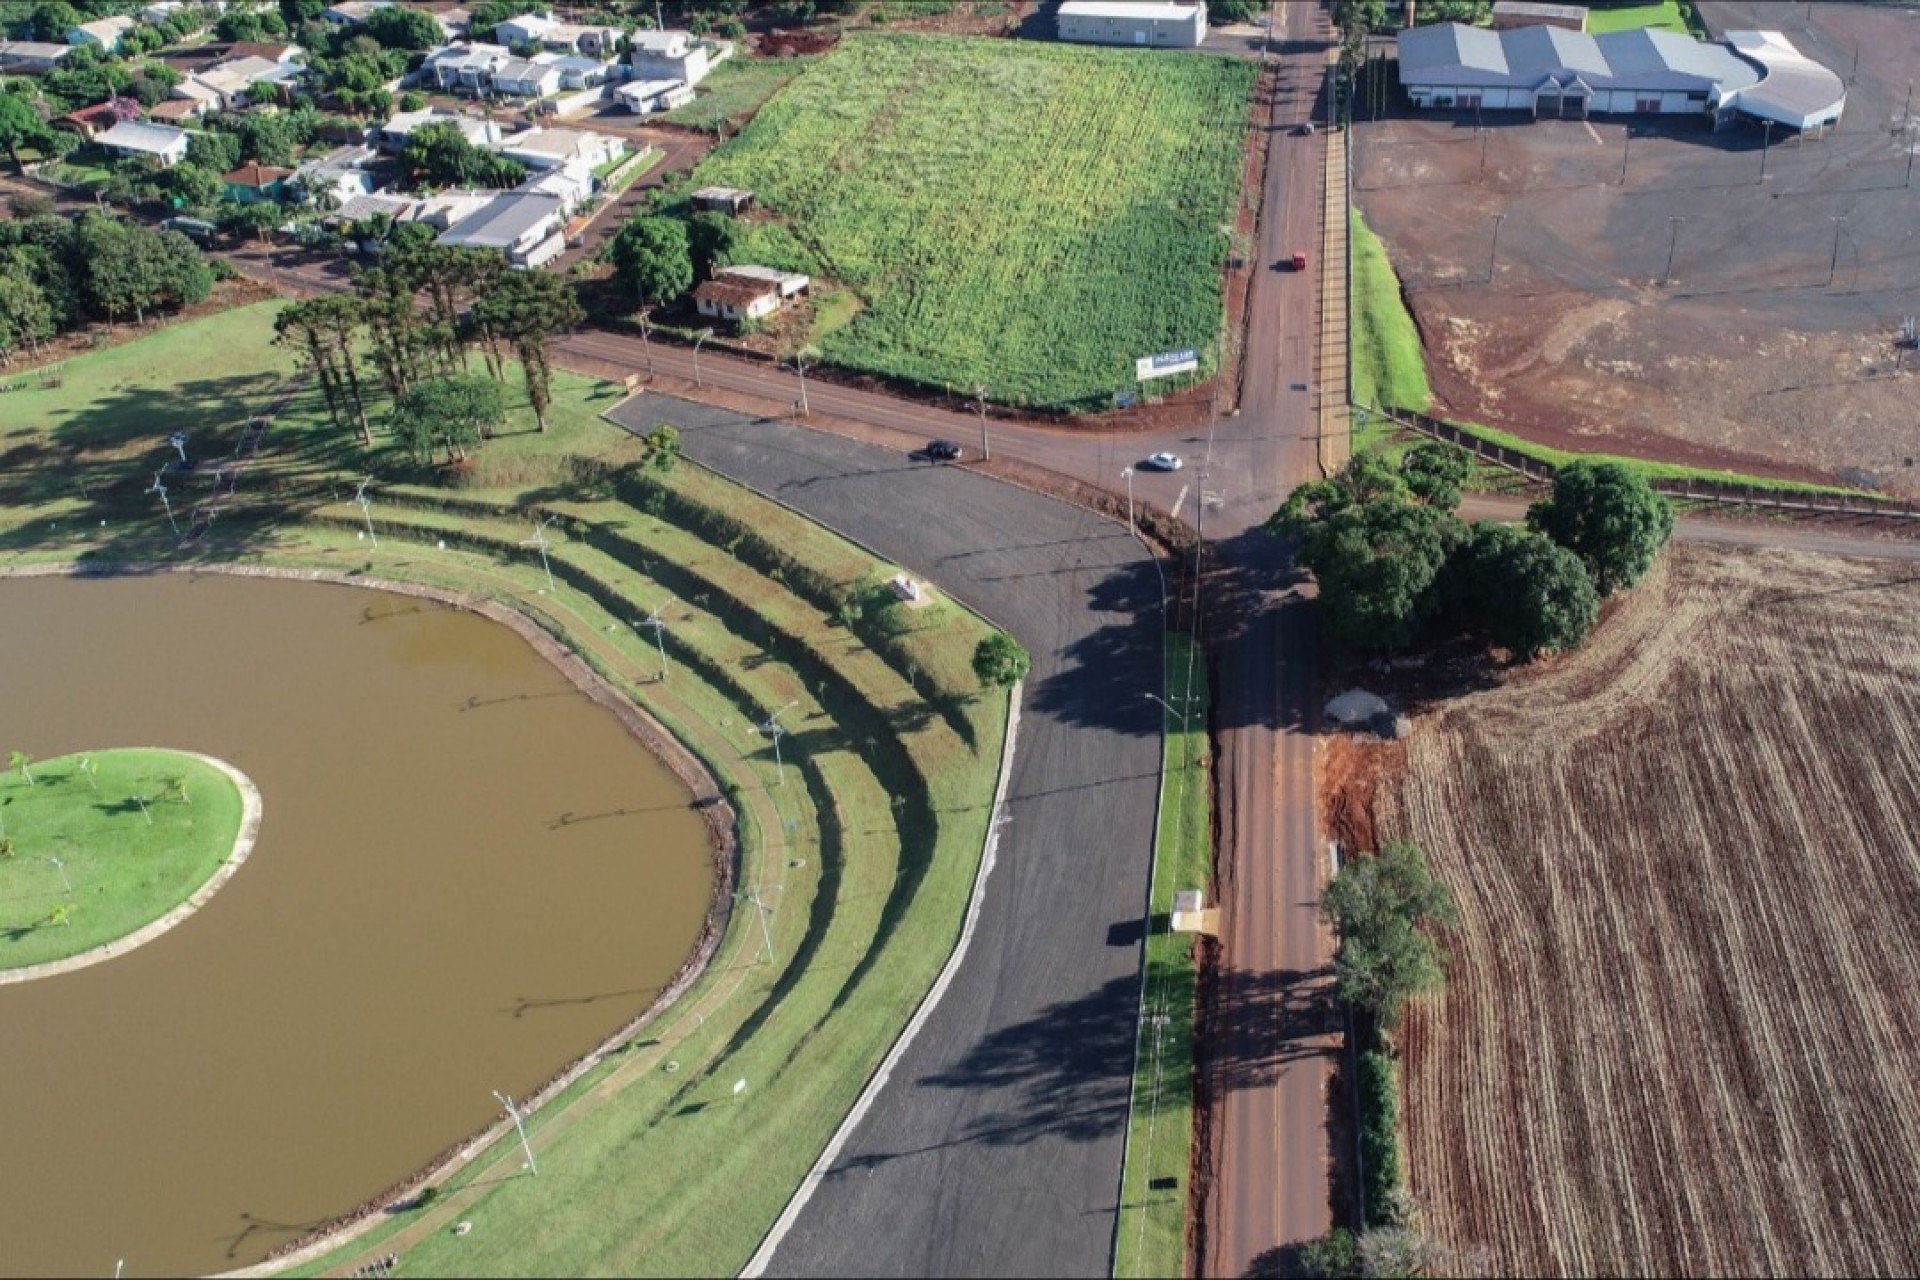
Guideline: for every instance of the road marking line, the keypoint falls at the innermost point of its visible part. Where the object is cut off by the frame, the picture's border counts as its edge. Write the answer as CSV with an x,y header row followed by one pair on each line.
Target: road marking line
x,y
1175,513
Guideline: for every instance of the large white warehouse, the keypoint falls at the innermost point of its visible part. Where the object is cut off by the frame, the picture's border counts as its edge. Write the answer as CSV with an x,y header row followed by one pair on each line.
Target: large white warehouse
x,y
1551,71
1161,26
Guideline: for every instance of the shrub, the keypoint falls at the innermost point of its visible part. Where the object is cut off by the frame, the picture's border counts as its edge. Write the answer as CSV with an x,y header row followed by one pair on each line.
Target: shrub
x,y
1380,1139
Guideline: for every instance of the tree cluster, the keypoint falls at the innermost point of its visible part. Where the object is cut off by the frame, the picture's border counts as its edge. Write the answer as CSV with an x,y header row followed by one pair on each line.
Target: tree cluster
x,y
57,274
1397,568
439,155
1385,906
414,322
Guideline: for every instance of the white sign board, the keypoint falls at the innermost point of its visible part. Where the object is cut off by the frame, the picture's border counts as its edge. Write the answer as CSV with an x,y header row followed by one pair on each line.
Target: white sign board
x,y
1167,362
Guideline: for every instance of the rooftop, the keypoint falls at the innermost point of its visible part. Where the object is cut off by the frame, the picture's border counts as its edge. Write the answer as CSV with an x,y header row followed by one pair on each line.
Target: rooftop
x,y
136,136
1128,11
734,291
257,176
503,221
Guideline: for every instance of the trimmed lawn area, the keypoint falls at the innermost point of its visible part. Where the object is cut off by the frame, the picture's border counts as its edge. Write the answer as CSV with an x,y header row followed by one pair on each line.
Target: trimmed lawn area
x,y
135,832
1152,1236
1029,216
1666,15
1389,367
866,854
735,90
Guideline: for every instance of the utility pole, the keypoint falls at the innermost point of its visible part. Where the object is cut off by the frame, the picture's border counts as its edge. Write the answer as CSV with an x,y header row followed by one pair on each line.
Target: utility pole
x,y
980,400
1906,130
1483,151
699,338
1493,253
1666,275
1127,475
659,625
1626,146
646,342
159,486
1839,224
800,367
366,513
1766,144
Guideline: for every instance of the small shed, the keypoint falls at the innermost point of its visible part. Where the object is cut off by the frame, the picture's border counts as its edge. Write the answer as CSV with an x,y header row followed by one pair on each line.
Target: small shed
x,y
722,200
791,284
1191,914
257,184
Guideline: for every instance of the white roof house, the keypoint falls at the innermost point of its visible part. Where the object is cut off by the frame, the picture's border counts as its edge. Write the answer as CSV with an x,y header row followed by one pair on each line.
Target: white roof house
x,y
160,11
525,227
340,175
160,142
232,81
1149,25
642,97
525,78
105,33
351,13
31,55
552,148
668,55
465,66
1794,90
547,31
788,283
577,72
395,132
571,184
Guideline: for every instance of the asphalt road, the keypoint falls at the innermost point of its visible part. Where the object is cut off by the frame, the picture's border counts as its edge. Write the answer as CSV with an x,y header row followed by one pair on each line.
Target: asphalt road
x,y
996,1147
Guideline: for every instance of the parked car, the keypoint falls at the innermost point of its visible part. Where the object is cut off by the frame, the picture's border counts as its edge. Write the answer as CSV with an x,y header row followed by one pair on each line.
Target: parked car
x,y
1163,462
942,450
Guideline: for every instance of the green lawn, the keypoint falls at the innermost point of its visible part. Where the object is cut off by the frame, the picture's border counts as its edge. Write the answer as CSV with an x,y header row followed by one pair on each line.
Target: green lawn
x,y
1389,368
735,90
1667,15
1031,216
1152,1237
866,854
130,846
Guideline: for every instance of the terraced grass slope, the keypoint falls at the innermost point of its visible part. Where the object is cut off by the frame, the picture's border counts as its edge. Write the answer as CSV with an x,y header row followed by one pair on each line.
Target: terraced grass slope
x,y
1028,216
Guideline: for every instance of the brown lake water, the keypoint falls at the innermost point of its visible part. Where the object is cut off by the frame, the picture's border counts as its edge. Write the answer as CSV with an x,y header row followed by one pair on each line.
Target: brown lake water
x,y
467,875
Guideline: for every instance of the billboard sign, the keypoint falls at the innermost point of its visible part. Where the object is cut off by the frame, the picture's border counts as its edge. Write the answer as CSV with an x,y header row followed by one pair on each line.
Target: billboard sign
x,y
1165,364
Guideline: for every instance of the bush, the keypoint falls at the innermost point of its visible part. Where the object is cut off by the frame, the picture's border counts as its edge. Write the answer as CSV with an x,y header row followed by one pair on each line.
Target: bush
x,y
1381,1175
1609,517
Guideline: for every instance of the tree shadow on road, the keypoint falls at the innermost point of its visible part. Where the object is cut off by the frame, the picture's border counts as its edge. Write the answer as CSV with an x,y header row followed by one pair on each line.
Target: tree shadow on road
x,y
1104,677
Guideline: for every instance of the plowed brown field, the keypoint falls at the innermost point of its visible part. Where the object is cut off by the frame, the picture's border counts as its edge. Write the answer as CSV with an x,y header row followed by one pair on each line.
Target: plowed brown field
x,y
1681,1030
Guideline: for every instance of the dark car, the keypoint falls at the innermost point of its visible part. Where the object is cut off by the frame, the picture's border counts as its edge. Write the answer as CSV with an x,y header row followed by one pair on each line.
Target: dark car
x,y
941,450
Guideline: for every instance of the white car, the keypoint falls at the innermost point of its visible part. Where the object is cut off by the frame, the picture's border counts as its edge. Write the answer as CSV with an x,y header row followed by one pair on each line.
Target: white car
x,y
1163,462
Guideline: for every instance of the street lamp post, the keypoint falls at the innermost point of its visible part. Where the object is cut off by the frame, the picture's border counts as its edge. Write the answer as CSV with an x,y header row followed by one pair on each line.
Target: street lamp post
x,y
646,342
1626,146
526,1148
1766,144
1171,708
699,338
1493,252
800,367
980,401
1127,475
1666,274
1833,263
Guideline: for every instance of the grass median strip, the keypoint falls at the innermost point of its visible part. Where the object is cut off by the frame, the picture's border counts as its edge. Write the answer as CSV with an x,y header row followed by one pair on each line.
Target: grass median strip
x,y
1154,1189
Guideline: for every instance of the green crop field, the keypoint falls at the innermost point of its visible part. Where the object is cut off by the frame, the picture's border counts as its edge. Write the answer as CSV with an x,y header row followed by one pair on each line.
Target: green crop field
x,y
1028,216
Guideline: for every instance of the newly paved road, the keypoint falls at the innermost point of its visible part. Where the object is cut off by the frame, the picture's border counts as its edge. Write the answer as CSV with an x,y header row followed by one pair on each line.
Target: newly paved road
x,y
995,1149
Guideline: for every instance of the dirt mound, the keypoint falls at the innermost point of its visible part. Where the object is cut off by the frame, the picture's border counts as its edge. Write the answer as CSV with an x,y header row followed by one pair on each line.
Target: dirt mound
x,y
788,44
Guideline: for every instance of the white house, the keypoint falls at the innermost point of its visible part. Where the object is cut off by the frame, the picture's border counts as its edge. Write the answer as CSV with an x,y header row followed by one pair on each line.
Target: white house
x,y
395,132
543,29
571,184
525,78
155,14
104,34
351,13
340,175
159,142
644,97
465,67
552,148
526,228
31,57
789,284
668,55
230,83
747,293
577,72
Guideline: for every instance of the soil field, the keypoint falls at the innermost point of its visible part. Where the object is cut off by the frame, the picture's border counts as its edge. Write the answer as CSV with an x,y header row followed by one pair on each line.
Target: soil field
x,y
1677,1035
1770,347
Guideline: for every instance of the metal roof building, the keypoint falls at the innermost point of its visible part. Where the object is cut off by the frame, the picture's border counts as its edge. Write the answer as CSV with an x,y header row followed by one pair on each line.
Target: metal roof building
x,y
1556,72
1133,22
1796,91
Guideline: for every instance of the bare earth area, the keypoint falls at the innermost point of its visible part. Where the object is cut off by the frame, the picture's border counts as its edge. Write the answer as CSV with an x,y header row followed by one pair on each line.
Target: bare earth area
x,y
1678,1031
1770,346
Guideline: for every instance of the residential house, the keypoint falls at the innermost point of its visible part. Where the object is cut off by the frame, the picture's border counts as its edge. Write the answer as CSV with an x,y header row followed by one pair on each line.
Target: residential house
x,y
232,82
445,209
177,111
193,89
549,33
572,184
577,72
104,34
644,97
736,298
339,176
455,22
789,284
552,148
155,14
271,50
395,208
525,227
395,132
727,200
257,184
163,144
465,68
351,13
524,78
31,57
668,55
90,122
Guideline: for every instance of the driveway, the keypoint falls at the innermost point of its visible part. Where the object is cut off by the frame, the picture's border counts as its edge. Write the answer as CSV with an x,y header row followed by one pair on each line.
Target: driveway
x,y
996,1147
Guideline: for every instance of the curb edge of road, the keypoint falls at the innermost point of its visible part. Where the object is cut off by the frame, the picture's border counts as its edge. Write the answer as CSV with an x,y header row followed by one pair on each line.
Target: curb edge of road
x,y
763,1256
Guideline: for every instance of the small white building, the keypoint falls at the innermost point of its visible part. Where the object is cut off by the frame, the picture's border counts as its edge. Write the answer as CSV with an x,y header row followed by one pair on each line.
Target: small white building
x,y
465,68
155,14
31,57
549,33
668,55
526,228
104,34
524,78
228,86
163,144
351,13
577,72
552,148
395,132
1149,25
339,176
747,293
571,184
644,97
789,284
